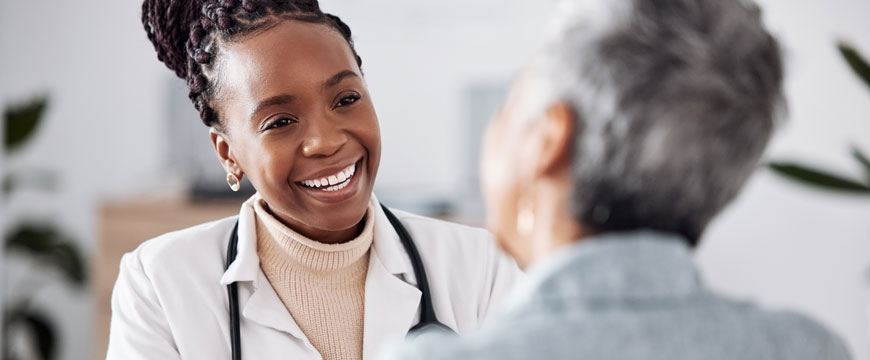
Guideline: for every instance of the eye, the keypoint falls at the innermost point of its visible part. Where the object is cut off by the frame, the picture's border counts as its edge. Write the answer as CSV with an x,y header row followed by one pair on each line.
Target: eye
x,y
279,122
347,100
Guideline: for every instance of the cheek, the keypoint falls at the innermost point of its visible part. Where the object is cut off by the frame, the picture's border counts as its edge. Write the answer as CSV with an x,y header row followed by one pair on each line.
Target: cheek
x,y
373,137
492,174
368,131
498,181
270,161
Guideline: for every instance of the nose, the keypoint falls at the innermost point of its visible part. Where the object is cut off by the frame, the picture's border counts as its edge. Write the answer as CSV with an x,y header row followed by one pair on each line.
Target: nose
x,y
324,139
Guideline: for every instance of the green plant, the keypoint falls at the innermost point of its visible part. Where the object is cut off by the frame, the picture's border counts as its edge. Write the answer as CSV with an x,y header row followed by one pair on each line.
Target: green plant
x,y
821,178
41,242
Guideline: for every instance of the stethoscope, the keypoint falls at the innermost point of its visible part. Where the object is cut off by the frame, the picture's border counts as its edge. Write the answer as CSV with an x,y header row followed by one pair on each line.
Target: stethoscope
x,y
428,320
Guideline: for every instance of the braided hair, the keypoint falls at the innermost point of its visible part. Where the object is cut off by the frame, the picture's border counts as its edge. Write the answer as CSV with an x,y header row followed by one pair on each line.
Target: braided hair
x,y
188,33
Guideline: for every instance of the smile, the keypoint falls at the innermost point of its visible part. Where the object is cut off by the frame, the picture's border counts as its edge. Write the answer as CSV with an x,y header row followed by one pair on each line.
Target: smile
x,y
334,182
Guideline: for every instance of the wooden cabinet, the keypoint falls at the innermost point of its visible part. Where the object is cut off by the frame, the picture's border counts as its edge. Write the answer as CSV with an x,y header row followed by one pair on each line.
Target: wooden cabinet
x,y
123,226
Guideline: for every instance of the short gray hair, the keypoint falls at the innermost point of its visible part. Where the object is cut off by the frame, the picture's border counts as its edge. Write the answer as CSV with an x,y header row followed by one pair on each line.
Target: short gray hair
x,y
675,101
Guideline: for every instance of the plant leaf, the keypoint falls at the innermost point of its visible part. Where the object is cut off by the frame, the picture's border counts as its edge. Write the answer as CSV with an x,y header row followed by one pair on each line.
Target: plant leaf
x,y
8,184
819,178
21,121
36,178
863,159
858,64
49,246
41,326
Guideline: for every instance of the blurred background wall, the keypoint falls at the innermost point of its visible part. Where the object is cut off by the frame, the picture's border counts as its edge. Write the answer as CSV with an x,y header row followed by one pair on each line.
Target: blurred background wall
x,y
119,129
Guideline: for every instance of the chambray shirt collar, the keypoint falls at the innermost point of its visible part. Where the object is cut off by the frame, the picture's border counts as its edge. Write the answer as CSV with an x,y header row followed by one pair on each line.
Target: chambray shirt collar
x,y
616,266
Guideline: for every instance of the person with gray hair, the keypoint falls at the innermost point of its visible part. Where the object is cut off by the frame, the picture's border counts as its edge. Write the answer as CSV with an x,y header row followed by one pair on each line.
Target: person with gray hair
x,y
631,129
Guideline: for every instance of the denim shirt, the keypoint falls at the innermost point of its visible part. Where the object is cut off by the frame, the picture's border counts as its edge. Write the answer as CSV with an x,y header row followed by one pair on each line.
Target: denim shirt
x,y
629,296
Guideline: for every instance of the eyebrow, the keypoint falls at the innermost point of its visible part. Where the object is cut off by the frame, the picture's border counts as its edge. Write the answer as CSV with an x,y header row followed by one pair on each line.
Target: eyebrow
x,y
337,78
272,101
287,99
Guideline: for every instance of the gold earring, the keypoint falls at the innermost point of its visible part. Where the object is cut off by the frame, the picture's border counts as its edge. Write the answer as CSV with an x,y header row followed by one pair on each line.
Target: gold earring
x,y
233,181
525,221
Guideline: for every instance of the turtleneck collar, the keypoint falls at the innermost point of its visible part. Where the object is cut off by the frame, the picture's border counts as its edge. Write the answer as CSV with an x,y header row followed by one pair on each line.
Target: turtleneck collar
x,y
310,254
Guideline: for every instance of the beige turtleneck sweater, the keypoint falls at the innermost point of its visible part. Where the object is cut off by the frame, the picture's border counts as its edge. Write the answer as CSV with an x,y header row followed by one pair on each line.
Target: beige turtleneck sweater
x,y
322,285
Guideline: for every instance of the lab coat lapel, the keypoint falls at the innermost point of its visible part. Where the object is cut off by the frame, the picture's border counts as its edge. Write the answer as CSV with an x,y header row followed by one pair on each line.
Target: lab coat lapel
x,y
391,303
258,301
392,299
390,308
265,308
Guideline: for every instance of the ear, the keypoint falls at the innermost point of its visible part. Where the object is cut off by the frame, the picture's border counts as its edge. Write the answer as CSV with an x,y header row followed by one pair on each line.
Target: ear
x,y
224,152
556,140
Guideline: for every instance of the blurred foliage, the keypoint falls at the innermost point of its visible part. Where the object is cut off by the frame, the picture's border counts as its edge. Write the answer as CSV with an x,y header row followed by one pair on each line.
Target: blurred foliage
x,y
863,160
37,323
42,242
51,248
857,62
820,178
21,122
33,178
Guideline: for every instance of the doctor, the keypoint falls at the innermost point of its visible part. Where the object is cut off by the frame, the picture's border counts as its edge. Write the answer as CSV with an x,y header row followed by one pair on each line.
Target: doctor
x,y
316,268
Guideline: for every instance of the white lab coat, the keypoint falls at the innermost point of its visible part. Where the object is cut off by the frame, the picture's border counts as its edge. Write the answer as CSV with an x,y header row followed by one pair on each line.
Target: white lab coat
x,y
170,299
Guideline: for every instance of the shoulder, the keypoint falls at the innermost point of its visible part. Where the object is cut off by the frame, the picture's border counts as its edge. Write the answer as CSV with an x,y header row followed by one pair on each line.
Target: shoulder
x,y
430,229
182,248
790,334
778,334
455,246
466,266
490,343
802,335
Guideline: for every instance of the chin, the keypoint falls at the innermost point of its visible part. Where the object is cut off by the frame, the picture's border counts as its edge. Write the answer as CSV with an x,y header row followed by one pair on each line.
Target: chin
x,y
344,217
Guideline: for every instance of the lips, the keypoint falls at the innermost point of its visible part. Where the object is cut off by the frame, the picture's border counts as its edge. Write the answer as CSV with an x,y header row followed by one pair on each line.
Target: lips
x,y
333,182
335,185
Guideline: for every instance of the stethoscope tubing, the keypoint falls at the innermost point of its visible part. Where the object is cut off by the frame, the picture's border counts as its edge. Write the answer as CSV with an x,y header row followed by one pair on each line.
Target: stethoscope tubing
x,y
428,319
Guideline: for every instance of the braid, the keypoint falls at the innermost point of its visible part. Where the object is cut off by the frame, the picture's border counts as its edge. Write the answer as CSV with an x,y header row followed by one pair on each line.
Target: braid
x,y
187,33
165,22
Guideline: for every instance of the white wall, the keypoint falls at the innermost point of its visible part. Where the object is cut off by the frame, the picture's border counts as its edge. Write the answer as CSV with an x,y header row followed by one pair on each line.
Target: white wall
x,y
780,244
101,134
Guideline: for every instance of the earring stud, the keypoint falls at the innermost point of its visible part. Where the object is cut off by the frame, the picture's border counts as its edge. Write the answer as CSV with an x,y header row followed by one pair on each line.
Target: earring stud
x,y
233,181
525,222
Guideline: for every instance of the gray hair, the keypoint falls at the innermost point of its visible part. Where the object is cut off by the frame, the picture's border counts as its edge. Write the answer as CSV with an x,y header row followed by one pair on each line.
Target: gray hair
x,y
675,101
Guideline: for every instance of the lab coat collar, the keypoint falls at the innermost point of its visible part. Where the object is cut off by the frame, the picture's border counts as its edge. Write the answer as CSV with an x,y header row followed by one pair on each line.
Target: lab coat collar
x,y
392,298
386,246
258,303
247,263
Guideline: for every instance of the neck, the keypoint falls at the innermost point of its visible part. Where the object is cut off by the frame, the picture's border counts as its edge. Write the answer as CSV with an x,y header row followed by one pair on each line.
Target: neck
x,y
321,235
555,227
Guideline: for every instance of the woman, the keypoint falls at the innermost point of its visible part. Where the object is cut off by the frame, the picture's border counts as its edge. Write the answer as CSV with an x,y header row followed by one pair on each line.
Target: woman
x,y
651,116
320,270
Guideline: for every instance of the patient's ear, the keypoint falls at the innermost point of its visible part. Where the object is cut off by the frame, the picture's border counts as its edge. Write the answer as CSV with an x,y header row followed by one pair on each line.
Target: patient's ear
x,y
556,140
224,152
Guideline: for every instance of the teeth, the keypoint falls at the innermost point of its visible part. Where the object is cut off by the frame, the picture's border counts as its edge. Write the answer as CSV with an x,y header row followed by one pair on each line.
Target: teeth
x,y
337,187
334,182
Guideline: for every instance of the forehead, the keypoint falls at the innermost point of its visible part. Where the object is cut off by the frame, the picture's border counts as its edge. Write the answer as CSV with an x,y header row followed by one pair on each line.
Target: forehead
x,y
283,58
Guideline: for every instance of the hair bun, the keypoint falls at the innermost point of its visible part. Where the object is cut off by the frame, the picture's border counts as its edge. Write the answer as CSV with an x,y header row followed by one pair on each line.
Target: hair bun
x,y
168,25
